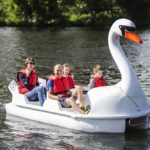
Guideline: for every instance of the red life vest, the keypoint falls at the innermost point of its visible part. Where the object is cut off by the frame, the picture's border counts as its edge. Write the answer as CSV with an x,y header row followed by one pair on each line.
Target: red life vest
x,y
99,81
32,81
68,82
58,86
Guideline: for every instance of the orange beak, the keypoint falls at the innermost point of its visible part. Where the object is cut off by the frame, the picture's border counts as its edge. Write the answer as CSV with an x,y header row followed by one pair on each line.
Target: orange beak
x,y
133,37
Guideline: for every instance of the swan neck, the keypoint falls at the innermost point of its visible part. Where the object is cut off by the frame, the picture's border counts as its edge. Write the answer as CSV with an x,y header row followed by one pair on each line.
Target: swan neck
x,y
125,68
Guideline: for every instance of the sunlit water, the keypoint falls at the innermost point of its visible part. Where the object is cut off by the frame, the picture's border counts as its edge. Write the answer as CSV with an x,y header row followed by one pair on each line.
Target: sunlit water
x,y
82,48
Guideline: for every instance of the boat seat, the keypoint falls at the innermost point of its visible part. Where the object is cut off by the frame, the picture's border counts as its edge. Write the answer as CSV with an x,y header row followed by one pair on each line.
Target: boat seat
x,y
32,102
52,104
26,99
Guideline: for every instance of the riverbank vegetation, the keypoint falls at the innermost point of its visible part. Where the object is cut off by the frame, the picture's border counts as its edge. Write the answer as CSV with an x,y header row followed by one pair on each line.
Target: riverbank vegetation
x,y
64,13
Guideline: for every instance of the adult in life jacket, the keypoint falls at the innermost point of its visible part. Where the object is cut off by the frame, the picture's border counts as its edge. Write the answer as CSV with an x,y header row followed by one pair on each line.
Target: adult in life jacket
x,y
97,79
76,91
27,80
57,90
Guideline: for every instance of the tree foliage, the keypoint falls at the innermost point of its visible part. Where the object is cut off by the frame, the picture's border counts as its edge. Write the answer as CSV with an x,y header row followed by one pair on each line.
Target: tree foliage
x,y
137,10
71,12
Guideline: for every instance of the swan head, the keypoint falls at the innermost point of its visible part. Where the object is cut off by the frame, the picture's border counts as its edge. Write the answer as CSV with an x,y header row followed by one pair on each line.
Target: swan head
x,y
125,28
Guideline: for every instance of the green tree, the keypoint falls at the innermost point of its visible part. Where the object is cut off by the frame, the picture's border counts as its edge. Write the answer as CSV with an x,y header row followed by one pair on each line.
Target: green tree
x,y
39,11
9,12
137,10
72,12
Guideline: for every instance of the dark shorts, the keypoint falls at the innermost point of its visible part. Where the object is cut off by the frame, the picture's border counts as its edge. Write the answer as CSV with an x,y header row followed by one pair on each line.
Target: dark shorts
x,y
63,102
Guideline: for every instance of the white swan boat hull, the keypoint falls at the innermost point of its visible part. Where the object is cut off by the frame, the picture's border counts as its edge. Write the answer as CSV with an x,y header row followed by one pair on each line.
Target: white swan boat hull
x,y
67,121
52,113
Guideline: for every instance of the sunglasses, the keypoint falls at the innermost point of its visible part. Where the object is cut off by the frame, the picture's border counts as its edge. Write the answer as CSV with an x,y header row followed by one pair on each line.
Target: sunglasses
x,y
31,63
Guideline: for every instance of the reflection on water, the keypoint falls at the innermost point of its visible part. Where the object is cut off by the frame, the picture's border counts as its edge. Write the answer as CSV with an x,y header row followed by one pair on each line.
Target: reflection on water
x,y
82,48
25,134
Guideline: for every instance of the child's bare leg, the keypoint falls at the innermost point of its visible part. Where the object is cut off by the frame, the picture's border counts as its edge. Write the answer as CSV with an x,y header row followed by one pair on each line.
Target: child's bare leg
x,y
80,96
77,91
71,102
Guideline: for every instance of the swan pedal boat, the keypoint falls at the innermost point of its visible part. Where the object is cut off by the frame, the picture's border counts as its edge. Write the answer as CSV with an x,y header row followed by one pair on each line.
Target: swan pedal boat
x,y
114,109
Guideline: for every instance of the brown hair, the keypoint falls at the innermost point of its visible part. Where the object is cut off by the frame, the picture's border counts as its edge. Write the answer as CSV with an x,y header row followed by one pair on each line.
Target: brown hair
x,y
29,60
96,68
66,65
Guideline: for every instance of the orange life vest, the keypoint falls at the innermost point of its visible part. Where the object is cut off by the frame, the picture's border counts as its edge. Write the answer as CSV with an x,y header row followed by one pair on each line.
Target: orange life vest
x,y
99,81
58,86
32,81
68,82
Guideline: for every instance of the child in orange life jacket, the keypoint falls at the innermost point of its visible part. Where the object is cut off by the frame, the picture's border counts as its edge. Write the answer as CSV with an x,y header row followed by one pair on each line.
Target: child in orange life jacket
x,y
97,78
75,91
57,90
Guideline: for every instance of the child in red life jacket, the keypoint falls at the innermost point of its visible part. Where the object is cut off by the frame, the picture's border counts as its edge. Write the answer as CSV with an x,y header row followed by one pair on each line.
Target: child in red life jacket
x,y
97,78
75,91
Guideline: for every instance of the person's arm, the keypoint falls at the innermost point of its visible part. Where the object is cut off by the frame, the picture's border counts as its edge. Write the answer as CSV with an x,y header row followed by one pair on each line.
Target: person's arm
x,y
50,85
54,97
72,76
37,82
91,84
24,80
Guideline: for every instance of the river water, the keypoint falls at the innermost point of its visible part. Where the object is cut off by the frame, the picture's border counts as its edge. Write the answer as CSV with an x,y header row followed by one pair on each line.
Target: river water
x,y
82,48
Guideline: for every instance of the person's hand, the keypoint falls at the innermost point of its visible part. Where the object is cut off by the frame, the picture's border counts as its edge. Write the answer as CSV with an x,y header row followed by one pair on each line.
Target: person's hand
x,y
69,93
59,97
28,71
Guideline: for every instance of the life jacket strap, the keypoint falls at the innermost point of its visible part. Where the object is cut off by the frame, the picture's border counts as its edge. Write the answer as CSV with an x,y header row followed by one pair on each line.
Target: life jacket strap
x,y
63,92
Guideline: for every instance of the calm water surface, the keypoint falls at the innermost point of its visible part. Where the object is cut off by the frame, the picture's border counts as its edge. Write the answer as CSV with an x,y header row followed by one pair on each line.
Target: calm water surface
x,y
82,48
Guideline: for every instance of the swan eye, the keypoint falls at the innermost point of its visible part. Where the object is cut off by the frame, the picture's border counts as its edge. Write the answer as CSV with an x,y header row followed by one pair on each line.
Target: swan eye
x,y
128,28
